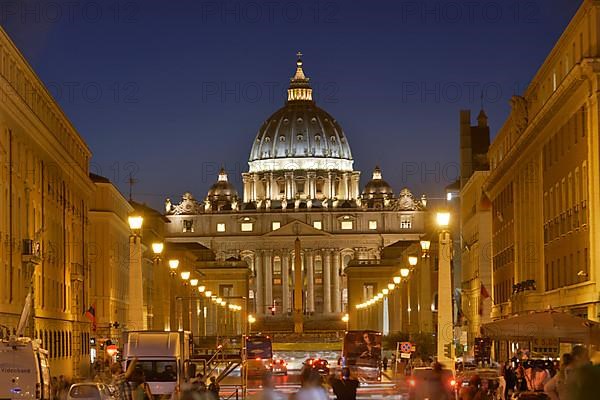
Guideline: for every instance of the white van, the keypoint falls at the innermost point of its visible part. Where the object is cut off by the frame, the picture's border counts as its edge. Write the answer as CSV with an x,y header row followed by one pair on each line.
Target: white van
x,y
24,370
163,356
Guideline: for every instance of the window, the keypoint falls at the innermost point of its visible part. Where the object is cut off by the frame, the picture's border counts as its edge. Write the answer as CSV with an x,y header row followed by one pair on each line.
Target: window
x,y
220,227
347,225
318,224
188,225
247,226
372,225
275,225
405,221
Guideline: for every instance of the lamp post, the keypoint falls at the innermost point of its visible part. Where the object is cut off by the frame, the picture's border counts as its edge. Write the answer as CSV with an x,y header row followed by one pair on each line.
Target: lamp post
x,y
412,261
157,249
185,276
202,320
173,265
207,295
135,315
445,330
193,305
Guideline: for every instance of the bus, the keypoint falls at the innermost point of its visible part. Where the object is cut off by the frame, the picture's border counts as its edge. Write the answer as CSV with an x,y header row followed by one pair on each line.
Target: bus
x,y
259,355
361,352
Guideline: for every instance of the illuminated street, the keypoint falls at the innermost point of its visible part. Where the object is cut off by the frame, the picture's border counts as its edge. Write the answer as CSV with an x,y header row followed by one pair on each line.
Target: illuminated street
x,y
304,200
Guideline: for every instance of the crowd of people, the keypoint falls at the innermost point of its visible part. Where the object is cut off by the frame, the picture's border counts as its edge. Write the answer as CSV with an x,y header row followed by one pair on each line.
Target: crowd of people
x,y
573,379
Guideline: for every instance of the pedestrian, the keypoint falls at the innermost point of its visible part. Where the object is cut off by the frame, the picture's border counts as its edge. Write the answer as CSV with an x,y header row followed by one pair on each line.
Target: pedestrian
x,y
120,380
214,388
385,363
140,390
312,388
510,379
582,380
345,387
556,388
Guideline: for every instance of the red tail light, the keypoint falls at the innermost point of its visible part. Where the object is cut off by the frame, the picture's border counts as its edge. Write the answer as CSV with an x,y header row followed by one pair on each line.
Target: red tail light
x,y
258,358
452,382
412,382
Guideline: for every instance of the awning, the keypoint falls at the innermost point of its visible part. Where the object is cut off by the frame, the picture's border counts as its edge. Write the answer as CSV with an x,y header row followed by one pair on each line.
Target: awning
x,y
565,327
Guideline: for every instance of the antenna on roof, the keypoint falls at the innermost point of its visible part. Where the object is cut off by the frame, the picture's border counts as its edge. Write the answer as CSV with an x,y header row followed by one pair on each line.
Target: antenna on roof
x,y
131,182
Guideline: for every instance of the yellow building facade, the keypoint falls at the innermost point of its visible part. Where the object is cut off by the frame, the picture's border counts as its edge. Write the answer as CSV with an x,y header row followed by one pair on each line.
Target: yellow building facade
x,y
544,182
45,193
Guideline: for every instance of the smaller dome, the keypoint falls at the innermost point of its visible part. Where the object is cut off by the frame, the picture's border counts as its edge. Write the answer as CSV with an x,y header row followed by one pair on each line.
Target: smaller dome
x,y
222,189
377,187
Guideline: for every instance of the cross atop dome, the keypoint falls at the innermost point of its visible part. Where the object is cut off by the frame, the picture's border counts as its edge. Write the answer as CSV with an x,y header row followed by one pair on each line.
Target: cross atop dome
x,y
222,175
300,89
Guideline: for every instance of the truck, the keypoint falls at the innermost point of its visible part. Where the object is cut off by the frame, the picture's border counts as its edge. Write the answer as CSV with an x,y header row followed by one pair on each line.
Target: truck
x,y
24,369
163,356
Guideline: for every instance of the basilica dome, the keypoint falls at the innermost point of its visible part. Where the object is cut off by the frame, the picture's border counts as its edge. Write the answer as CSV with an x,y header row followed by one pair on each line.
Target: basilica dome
x,y
222,190
377,187
300,135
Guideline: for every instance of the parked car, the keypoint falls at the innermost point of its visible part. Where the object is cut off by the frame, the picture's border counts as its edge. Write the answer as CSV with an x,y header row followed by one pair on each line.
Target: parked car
x,y
421,383
89,391
279,367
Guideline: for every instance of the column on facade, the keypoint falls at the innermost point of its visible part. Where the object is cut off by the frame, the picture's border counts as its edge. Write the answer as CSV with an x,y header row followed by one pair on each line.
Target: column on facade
x,y
288,185
326,281
246,181
310,277
346,186
312,184
285,281
267,185
293,185
255,186
258,272
336,298
268,265
355,185
273,194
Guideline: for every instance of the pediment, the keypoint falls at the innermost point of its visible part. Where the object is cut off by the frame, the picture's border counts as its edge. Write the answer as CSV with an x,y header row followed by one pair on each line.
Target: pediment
x,y
296,228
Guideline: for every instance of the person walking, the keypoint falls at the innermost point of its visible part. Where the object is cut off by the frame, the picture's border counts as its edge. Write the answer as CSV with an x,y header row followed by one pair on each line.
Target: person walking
x,y
140,390
556,388
214,387
345,387
312,388
120,380
385,363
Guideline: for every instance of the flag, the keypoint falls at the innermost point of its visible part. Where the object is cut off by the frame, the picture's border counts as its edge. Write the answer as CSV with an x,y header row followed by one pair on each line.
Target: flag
x,y
482,296
91,315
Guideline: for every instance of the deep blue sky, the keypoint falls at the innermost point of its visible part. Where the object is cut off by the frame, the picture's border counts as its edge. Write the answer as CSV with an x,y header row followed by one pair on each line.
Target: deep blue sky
x,y
171,90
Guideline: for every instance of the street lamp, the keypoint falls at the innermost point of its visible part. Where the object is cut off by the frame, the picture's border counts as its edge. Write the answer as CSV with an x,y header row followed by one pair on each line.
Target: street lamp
x,y
404,272
251,320
173,265
412,260
425,245
445,317
135,319
194,282
201,289
185,275
391,286
397,280
346,319
157,248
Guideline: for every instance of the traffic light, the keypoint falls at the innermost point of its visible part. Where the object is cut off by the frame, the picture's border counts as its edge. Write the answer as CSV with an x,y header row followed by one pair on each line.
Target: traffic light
x,y
448,350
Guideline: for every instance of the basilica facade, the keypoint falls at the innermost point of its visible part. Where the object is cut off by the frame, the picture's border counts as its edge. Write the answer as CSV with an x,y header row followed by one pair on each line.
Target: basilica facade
x,y
300,184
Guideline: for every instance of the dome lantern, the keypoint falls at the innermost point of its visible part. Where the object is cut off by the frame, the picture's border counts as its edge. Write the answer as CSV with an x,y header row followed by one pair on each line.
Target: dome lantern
x,y
299,89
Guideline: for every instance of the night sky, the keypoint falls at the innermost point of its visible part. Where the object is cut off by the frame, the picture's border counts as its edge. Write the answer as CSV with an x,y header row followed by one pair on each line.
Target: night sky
x,y
172,90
